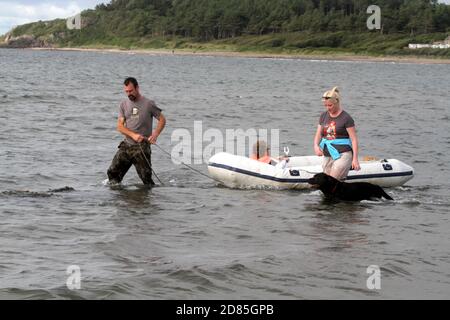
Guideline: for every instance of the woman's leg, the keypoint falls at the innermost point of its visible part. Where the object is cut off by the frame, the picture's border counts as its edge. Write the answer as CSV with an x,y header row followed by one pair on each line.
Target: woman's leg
x,y
327,165
341,167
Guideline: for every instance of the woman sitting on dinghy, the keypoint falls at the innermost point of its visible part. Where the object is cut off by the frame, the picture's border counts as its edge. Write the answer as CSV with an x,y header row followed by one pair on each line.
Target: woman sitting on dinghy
x,y
336,138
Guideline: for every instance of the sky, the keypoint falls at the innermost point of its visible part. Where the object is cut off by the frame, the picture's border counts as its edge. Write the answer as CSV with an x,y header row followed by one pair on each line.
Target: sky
x,y
13,13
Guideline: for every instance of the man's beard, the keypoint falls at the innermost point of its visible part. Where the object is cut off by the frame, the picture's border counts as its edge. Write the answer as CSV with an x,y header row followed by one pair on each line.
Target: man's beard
x,y
131,97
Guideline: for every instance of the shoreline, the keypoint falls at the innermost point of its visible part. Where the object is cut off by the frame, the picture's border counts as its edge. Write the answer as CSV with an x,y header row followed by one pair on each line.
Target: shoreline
x,y
310,57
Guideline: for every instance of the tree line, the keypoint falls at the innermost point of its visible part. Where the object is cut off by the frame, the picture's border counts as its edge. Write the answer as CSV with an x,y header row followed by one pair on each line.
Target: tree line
x,y
220,19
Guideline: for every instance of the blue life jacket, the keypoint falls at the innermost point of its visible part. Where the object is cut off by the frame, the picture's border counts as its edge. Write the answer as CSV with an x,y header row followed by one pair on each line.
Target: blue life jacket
x,y
331,149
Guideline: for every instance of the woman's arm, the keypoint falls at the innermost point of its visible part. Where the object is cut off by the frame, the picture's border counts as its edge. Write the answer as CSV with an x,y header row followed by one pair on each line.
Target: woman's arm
x,y
317,139
355,146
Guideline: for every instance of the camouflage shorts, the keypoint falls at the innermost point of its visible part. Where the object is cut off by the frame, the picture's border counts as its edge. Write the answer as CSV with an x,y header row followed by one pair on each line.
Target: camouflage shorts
x,y
128,155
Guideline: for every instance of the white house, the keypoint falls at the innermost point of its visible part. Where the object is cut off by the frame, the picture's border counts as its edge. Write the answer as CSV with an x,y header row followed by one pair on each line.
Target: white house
x,y
437,45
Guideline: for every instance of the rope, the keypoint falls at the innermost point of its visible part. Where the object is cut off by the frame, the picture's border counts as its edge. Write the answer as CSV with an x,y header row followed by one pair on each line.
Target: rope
x,y
149,164
193,169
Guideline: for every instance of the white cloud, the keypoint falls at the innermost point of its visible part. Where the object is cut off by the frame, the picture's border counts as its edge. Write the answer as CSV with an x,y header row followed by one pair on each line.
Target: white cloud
x,y
12,14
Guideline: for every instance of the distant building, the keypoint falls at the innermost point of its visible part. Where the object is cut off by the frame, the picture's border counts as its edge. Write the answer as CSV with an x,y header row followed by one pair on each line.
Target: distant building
x,y
437,45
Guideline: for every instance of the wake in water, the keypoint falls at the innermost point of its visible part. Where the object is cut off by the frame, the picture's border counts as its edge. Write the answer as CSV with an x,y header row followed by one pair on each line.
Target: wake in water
x,y
35,194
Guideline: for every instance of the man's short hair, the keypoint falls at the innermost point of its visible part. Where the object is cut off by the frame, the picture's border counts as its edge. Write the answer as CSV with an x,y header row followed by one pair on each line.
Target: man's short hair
x,y
131,80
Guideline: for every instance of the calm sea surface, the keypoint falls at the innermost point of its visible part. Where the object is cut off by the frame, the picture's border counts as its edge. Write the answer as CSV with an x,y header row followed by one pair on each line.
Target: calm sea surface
x,y
192,239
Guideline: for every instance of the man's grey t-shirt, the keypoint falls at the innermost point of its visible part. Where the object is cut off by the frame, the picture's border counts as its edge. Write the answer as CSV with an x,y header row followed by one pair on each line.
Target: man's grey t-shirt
x,y
336,128
139,116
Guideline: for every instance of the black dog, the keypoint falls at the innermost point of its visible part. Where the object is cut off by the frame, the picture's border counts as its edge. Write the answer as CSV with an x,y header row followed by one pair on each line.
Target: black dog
x,y
356,191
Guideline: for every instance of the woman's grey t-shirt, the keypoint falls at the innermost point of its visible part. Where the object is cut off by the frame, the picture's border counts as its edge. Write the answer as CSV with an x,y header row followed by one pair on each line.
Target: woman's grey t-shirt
x,y
336,128
139,116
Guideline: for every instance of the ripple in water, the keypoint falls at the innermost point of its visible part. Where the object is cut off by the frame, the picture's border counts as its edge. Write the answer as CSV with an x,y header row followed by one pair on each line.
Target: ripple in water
x,y
194,239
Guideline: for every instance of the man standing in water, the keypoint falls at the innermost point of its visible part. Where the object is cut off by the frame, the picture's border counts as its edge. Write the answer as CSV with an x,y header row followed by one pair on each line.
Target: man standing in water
x,y
136,124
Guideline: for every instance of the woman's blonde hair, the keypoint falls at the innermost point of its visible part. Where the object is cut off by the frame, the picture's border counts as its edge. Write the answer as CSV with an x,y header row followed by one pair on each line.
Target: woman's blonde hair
x,y
332,95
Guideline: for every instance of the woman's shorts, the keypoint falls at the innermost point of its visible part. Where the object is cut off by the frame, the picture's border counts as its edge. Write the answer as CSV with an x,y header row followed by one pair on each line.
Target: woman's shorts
x,y
338,168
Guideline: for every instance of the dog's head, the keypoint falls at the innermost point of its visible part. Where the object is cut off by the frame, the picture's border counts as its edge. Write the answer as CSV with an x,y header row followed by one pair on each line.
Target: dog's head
x,y
321,180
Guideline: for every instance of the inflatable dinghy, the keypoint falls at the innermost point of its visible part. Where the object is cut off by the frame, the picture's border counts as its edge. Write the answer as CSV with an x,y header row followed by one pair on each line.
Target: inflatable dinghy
x,y
244,173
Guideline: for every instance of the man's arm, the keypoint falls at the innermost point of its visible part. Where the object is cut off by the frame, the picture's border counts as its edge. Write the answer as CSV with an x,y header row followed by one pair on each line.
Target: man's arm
x,y
125,131
158,130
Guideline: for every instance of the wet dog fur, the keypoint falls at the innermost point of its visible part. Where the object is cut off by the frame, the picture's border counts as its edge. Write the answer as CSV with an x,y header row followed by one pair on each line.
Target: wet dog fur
x,y
356,191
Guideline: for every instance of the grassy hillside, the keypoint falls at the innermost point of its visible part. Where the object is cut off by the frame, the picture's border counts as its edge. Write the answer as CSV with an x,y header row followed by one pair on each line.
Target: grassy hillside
x,y
306,42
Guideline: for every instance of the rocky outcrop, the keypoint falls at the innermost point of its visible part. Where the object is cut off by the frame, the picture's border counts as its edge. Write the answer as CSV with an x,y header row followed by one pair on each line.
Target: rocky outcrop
x,y
26,41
